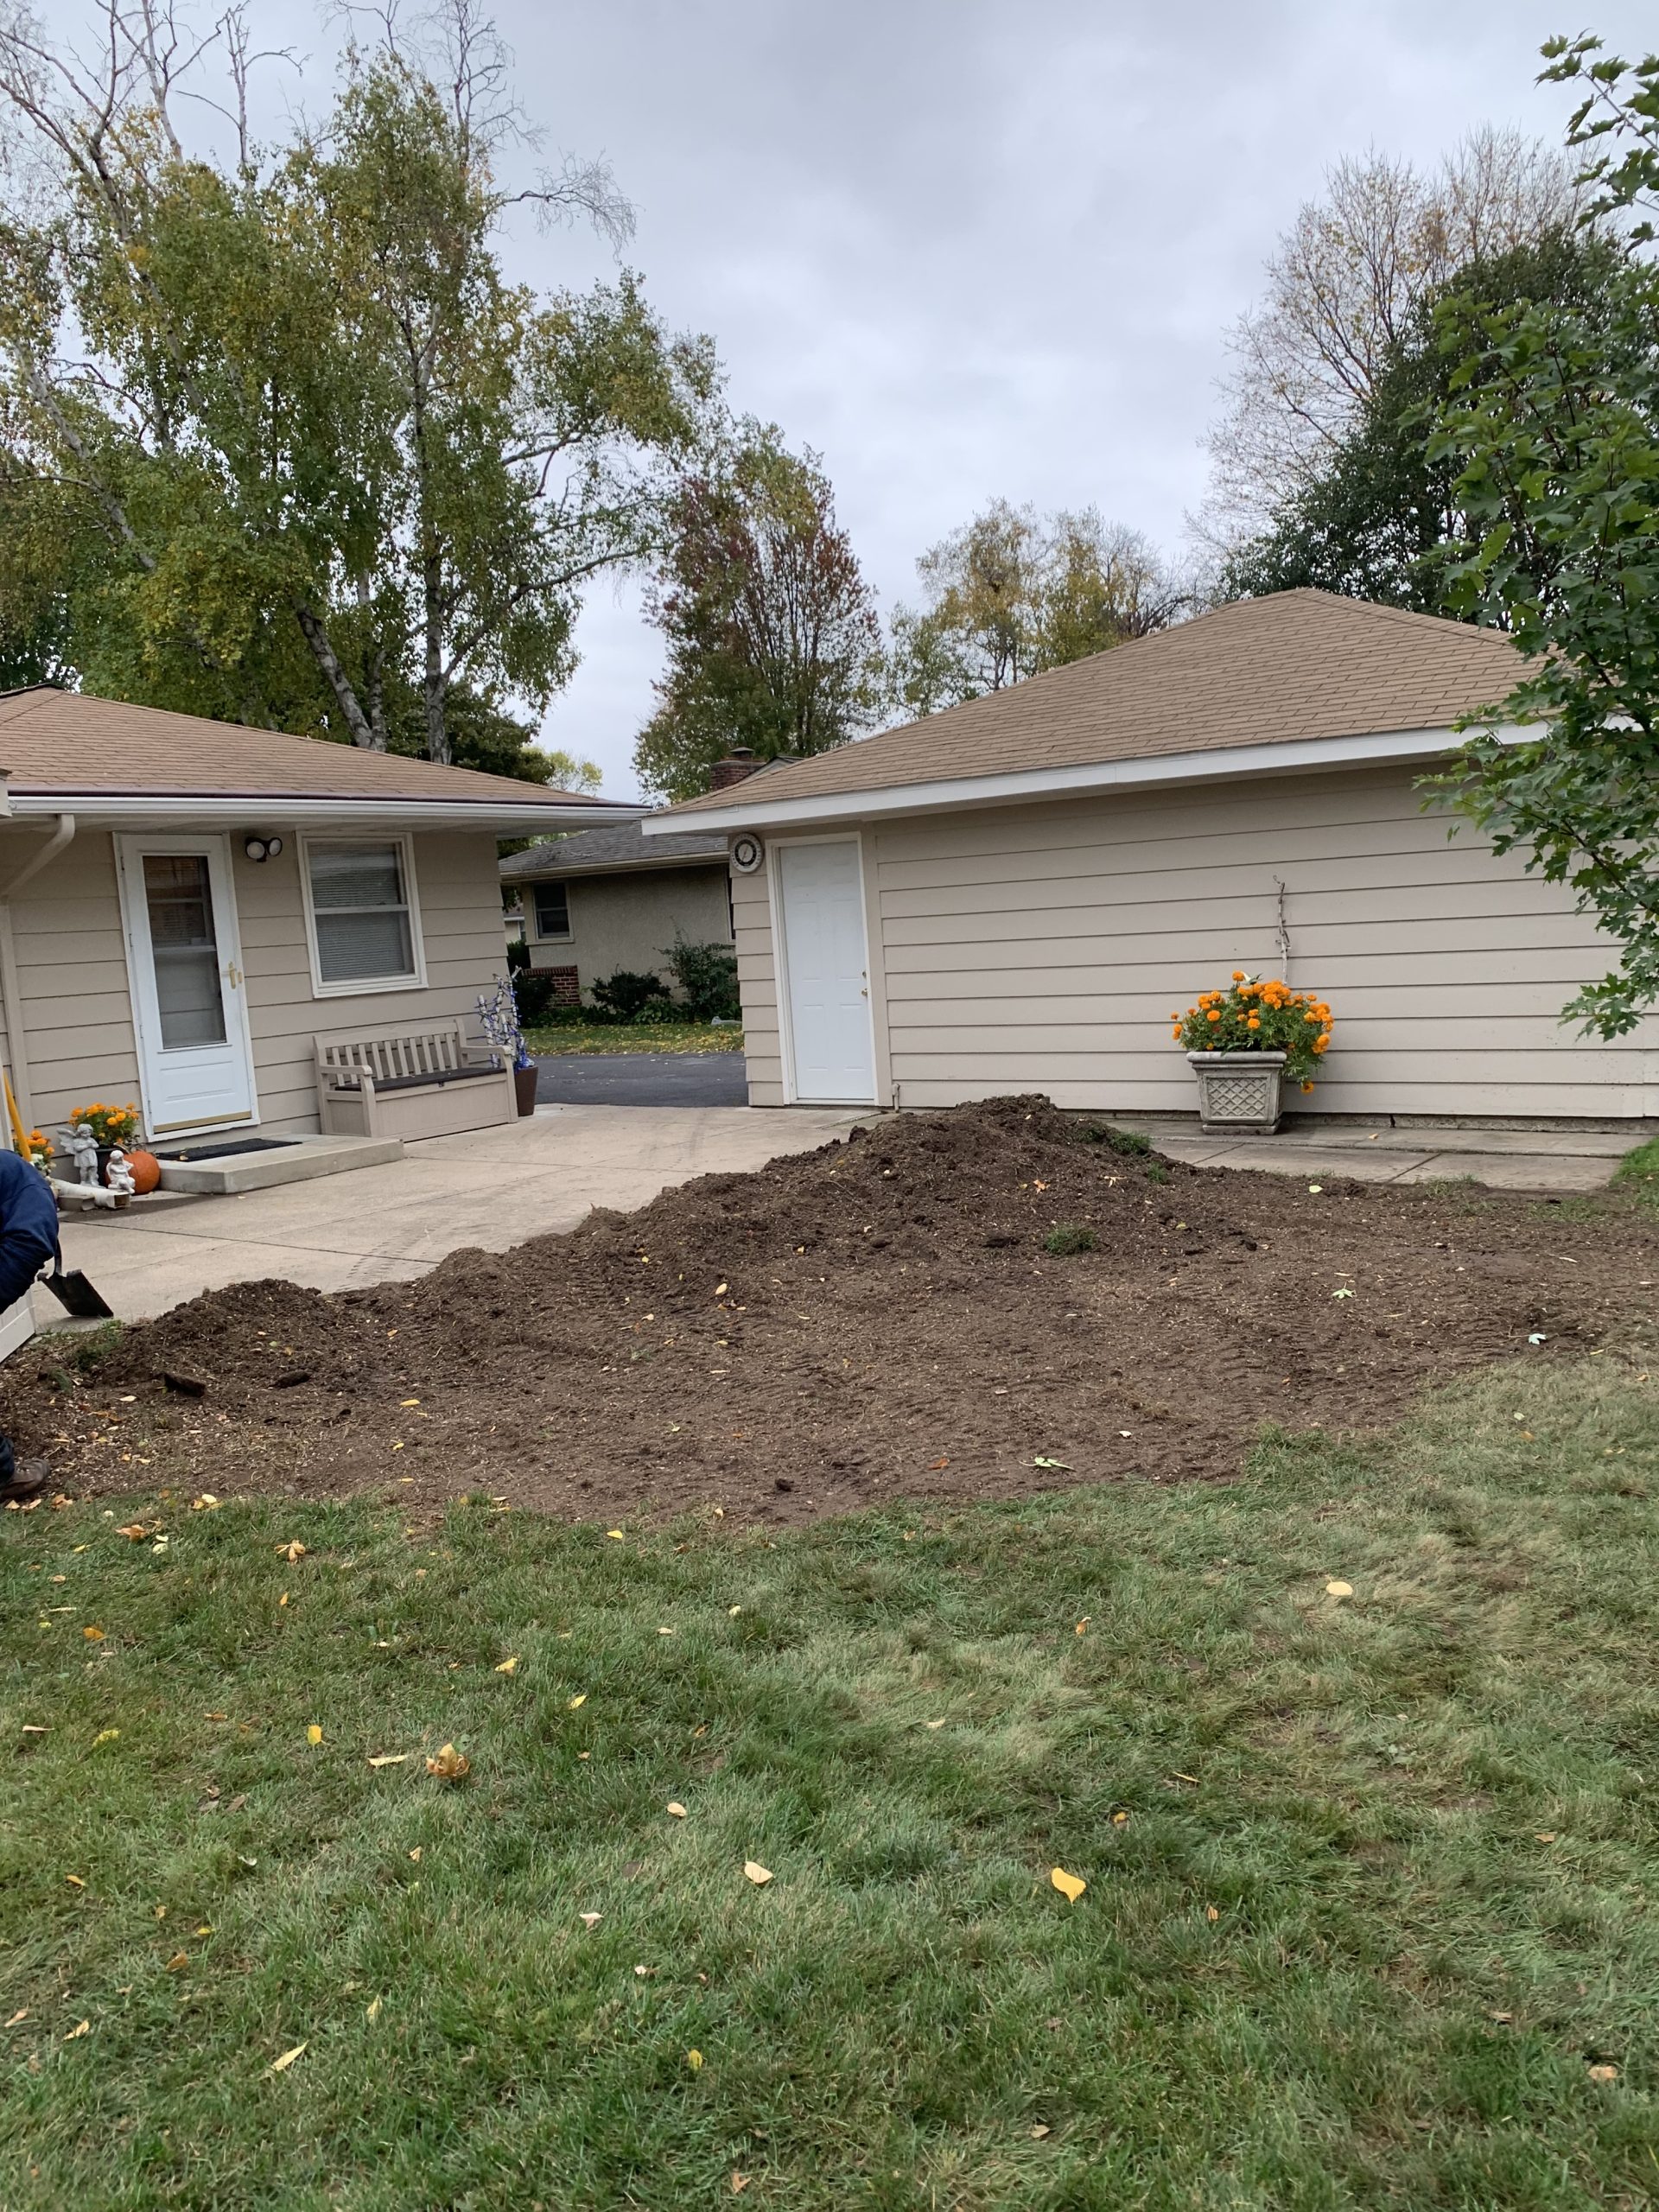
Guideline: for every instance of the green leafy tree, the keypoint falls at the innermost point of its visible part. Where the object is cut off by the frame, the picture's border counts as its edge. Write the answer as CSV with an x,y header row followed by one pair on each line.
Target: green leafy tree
x,y
1011,593
1553,429
317,447
1370,521
773,638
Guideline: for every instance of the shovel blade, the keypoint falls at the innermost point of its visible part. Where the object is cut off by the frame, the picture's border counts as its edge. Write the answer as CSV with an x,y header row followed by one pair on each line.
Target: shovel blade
x,y
77,1296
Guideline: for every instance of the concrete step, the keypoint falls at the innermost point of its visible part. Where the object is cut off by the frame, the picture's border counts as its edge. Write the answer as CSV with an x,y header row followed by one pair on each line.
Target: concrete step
x,y
298,1160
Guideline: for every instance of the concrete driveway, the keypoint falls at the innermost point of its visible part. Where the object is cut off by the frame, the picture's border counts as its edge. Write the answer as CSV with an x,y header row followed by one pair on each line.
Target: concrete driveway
x,y
491,1188
643,1079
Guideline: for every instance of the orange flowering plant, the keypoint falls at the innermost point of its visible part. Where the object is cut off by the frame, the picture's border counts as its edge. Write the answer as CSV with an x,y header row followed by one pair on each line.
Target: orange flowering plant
x,y
111,1125
1258,1014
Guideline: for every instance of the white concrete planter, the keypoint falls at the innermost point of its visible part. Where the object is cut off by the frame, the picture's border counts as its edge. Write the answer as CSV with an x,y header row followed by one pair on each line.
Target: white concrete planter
x,y
1238,1092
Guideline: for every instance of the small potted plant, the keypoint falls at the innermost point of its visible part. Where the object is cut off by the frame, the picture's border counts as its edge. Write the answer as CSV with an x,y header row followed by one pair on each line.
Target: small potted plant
x,y
1242,1043
109,1127
497,1010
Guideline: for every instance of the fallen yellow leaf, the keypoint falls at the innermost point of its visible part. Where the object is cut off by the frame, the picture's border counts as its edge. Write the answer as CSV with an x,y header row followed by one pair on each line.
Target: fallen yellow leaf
x,y
179,1959
1211,1914
1338,1589
694,2059
22,2014
415,1853
573,1702
1082,1625
135,1531
757,1873
93,1635
389,1758
508,1666
281,2065
740,2183
283,1600
933,1723
106,1736
615,1535
74,1881
450,1765
205,1504
293,1551
1119,1819
1038,2132
1070,1886
720,1289
409,1401
677,1810
84,2028
1604,2073
314,1734
373,2012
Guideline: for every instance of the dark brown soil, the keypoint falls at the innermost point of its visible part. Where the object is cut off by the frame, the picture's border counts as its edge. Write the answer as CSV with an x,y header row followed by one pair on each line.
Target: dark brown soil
x,y
877,1319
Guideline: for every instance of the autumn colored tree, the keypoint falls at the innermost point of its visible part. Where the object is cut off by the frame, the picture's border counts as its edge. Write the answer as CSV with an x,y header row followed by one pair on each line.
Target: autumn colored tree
x,y
1013,592
773,638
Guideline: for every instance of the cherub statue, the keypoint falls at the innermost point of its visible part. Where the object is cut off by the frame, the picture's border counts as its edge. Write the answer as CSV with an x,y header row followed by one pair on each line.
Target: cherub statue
x,y
119,1176
83,1150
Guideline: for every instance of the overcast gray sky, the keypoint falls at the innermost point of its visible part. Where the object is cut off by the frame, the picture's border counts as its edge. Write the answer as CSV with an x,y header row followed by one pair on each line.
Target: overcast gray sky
x,y
966,248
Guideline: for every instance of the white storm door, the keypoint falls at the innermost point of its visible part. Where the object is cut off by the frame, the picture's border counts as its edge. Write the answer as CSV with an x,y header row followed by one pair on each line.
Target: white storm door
x,y
826,971
190,996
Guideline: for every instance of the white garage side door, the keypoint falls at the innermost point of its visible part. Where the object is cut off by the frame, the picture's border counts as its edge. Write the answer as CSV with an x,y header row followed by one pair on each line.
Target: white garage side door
x,y
826,970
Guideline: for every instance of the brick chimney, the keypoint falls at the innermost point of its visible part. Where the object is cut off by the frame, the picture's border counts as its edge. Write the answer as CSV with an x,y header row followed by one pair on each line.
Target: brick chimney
x,y
742,760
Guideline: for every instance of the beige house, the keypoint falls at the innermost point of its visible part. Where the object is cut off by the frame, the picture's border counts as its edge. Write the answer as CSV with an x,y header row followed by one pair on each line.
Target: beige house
x,y
604,900
186,905
1013,895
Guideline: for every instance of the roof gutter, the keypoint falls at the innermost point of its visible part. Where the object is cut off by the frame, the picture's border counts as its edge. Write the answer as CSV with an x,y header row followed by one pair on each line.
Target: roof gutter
x,y
953,794
232,809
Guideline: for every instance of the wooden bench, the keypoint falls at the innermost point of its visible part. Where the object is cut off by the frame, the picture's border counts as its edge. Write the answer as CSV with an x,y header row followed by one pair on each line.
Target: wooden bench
x,y
429,1079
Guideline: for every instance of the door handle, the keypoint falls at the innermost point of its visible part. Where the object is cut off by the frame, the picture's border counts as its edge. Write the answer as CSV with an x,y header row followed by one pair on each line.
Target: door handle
x,y
233,976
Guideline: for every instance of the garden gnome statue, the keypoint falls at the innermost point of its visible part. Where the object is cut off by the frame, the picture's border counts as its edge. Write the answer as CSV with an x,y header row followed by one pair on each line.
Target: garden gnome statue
x,y
119,1176
83,1150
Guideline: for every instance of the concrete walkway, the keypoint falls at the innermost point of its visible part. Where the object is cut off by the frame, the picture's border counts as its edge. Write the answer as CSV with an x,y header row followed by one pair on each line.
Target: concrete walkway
x,y
491,1188
1555,1161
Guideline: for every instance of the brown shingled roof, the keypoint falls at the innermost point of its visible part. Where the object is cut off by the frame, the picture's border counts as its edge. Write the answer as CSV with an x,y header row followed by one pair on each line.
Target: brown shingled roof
x,y
68,743
1295,665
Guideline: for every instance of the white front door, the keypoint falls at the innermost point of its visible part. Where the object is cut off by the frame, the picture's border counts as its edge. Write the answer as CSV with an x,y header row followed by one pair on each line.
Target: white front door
x,y
189,1000
826,971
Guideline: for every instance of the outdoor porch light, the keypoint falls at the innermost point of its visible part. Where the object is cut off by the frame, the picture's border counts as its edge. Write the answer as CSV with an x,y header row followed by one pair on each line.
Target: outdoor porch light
x,y
261,849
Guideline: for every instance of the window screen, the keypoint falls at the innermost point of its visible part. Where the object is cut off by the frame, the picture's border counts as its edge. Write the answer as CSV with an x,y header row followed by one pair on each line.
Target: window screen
x,y
359,901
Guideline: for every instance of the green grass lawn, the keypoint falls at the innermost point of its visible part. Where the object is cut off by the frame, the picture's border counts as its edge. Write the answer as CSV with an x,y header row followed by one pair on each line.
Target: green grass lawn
x,y
646,1037
1372,1880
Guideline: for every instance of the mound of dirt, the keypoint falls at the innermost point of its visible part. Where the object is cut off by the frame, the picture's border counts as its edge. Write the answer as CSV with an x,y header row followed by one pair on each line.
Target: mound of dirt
x,y
883,1317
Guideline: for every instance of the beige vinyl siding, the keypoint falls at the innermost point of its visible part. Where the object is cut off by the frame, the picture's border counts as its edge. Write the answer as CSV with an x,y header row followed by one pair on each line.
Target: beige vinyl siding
x,y
757,982
458,889
73,975
1042,948
71,972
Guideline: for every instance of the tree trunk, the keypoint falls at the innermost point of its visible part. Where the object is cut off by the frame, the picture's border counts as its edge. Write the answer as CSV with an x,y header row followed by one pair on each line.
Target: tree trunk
x,y
374,687
434,683
338,683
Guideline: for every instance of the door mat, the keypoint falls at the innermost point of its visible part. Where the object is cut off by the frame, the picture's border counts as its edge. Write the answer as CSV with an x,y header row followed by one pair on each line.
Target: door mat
x,y
229,1151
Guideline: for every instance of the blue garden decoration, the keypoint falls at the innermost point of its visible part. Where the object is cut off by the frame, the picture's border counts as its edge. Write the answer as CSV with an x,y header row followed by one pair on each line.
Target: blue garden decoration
x,y
497,1010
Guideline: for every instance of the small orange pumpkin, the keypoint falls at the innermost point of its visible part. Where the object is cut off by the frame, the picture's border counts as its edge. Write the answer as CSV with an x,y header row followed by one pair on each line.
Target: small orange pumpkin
x,y
146,1171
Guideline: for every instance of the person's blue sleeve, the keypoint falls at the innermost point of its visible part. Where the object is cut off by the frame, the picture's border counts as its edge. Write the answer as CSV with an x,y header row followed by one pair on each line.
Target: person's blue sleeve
x,y
28,1225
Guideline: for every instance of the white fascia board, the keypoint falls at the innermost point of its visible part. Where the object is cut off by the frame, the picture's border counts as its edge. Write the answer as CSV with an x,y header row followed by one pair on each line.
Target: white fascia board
x,y
122,810
950,793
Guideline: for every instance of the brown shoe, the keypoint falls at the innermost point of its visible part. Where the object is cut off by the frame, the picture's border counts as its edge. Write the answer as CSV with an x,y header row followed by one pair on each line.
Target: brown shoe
x,y
28,1480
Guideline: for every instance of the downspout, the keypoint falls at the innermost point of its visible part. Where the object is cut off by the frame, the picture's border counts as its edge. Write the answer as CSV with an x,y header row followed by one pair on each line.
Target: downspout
x,y
11,989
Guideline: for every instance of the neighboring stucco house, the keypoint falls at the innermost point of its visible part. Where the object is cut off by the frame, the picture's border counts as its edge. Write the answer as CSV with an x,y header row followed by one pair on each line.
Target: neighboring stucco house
x,y
604,900
1013,896
186,904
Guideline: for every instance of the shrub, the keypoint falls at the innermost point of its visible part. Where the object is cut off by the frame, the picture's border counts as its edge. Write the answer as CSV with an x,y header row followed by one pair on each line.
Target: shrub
x,y
517,956
534,989
1253,1016
707,976
623,994
1069,1237
657,1013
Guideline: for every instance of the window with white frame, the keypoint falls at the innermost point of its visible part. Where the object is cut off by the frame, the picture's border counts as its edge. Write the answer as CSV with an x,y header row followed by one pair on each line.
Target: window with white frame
x,y
364,927
552,910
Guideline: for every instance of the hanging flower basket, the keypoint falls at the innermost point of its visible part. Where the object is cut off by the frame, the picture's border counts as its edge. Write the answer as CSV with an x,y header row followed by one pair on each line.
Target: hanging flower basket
x,y
1241,1043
